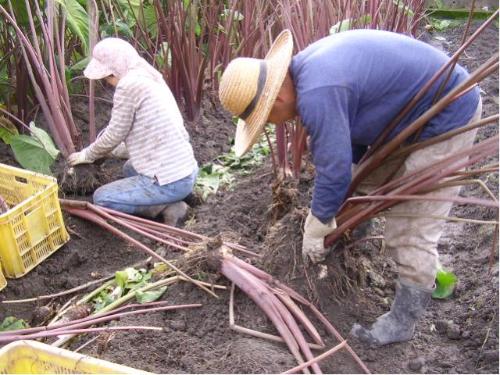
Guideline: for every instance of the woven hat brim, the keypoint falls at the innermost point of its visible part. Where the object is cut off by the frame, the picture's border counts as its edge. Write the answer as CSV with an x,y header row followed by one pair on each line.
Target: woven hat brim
x,y
96,70
278,60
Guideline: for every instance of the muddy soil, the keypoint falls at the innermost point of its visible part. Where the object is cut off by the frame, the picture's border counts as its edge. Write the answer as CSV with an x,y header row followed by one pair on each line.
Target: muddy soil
x,y
458,335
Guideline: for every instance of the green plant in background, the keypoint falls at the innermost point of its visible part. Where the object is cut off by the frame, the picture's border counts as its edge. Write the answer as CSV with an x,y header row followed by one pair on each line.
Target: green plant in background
x,y
350,23
440,24
223,171
445,284
35,152
210,178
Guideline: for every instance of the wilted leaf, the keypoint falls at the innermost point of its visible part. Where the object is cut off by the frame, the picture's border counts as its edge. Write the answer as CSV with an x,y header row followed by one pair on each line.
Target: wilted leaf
x,y
150,295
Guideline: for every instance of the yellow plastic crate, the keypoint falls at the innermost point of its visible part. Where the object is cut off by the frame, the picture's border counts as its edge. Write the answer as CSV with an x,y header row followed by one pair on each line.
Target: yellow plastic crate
x,y
33,228
33,357
3,282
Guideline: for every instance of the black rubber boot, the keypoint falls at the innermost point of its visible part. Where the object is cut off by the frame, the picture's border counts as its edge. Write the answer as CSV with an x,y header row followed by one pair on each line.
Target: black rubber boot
x,y
398,324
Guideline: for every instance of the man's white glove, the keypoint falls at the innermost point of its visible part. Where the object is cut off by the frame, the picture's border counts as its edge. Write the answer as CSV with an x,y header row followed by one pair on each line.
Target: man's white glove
x,y
314,237
79,158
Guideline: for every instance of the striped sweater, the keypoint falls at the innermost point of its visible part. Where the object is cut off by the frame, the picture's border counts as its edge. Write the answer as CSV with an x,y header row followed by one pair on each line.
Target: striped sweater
x,y
146,117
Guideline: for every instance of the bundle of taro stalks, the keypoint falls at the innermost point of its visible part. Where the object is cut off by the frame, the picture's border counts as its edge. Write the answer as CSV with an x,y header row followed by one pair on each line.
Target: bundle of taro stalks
x,y
447,172
277,301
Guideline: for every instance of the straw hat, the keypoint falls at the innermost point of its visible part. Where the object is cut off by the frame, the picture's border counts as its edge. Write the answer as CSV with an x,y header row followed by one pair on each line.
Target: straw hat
x,y
249,87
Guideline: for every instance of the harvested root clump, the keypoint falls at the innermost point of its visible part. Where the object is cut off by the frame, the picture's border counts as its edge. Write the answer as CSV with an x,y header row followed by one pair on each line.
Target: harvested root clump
x,y
203,258
285,197
343,270
42,315
82,179
76,312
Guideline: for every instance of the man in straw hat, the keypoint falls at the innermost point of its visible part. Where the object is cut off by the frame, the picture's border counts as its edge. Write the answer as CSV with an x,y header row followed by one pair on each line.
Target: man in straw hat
x,y
346,88
146,126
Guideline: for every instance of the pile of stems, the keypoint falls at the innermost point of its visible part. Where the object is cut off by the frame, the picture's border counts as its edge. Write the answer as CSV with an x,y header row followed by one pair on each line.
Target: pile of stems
x,y
122,300
277,301
274,298
143,227
83,325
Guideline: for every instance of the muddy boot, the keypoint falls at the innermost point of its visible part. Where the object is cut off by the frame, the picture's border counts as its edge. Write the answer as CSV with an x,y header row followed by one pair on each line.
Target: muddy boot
x,y
175,214
398,324
150,212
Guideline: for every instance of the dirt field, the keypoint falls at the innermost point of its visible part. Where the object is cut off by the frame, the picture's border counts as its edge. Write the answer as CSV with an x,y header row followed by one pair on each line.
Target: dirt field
x,y
458,335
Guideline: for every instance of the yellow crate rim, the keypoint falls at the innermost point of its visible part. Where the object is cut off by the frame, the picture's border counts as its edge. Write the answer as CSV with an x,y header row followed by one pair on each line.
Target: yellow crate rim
x,y
33,357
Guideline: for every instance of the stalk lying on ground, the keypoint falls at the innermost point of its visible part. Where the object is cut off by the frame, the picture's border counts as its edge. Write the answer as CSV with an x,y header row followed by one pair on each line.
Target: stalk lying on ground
x,y
82,325
274,298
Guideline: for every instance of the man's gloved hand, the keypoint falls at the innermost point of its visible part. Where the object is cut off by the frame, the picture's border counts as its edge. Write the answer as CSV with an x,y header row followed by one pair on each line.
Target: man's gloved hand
x,y
79,158
314,236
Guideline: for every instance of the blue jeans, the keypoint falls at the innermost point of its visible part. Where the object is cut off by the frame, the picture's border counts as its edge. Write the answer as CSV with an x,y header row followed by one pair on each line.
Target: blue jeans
x,y
136,191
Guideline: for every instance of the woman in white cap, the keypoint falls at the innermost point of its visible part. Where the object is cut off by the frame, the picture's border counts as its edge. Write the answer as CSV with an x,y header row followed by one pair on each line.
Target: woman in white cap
x,y
346,88
161,170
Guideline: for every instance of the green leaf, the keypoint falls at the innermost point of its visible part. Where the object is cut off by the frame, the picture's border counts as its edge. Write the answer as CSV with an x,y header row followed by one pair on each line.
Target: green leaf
x,y
443,24
150,295
80,65
20,11
121,27
148,19
30,153
78,20
127,276
348,24
44,138
11,323
106,297
445,284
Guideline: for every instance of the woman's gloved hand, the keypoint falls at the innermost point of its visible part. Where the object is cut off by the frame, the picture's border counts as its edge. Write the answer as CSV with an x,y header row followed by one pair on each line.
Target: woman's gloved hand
x,y
79,157
314,237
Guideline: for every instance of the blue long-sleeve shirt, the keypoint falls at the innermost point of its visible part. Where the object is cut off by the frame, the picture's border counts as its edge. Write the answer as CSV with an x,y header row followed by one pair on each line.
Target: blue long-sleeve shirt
x,y
350,86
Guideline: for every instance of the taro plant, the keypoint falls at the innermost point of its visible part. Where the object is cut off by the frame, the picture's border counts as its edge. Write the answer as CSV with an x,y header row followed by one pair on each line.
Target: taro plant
x,y
222,172
40,34
188,30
